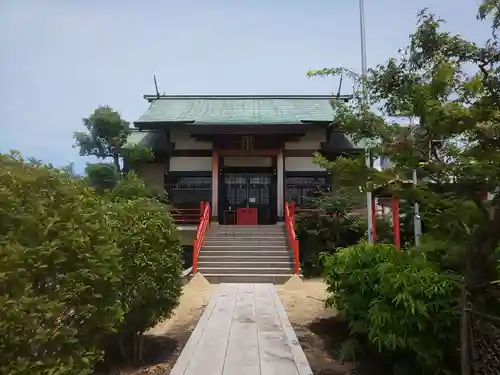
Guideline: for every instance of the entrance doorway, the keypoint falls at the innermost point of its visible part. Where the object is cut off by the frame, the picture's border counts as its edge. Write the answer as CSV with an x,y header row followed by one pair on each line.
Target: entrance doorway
x,y
248,198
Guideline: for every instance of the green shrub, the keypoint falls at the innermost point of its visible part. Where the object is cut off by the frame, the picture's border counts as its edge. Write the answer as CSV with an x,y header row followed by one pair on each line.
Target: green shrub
x,y
133,187
334,226
101,176
58,271
448,255
324,233
396,300
151,261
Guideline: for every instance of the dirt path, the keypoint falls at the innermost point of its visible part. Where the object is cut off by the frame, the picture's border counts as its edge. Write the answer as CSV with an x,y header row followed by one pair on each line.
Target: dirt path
x,y
319,332
164,343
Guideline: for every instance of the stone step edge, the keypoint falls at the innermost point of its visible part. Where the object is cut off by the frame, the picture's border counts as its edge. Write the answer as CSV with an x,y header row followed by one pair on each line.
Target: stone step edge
x,y
244,268
245,246
214,237
235,239
261,252
243,256
246,274
200,263
236,250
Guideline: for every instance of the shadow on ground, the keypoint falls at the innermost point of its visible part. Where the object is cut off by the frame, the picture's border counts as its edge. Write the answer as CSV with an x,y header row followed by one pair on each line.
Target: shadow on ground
x,y
159,353
322,340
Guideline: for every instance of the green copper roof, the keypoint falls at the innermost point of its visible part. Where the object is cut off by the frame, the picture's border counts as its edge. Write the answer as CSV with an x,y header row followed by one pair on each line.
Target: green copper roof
x,y
137,138
156,140
238,109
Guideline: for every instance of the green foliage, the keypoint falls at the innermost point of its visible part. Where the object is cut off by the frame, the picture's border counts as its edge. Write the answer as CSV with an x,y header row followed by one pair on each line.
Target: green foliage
x,y
448,254
106,135
397,300
59,271
449,87
136,153
70,170
132,187
81,274
457,137
324,233
101,176
151,261
329,227
334,226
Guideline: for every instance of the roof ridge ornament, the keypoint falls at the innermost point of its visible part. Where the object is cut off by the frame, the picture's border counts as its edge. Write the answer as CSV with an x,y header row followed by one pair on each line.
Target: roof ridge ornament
x,y
156,87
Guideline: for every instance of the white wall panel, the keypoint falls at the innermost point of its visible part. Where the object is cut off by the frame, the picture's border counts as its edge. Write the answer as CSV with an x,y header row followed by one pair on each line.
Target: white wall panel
x,y
310,141
190,163
301,164
183,141
248,161
153,173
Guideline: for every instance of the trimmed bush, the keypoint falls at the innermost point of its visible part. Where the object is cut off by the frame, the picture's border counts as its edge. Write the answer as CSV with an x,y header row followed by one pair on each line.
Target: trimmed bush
x,y
324,233
397,301
151,262
321,233
132,187
59,268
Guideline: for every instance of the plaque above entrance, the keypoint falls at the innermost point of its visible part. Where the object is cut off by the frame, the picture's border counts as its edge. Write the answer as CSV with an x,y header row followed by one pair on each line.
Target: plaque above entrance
x,y
249,144
247,161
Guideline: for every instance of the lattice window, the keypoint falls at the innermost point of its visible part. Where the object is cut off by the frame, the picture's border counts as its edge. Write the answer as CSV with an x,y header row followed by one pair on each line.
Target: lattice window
x,y
189,191
302,189
235,179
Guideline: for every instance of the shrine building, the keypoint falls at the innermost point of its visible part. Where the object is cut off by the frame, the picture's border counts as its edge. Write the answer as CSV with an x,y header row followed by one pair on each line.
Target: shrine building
x,y
245,154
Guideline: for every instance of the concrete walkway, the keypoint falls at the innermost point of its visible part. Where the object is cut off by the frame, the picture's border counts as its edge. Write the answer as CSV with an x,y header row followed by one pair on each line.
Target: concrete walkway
x,y
244,330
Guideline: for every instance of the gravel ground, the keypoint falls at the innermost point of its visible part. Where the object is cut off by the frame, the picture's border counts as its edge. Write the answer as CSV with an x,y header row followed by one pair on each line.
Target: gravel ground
x,y
164,343
318,329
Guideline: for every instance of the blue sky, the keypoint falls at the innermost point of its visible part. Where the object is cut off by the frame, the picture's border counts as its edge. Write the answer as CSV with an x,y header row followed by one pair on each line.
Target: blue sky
x,y
61,59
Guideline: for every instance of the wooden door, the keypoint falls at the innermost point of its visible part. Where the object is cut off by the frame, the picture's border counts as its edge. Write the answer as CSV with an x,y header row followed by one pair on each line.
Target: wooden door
x,y
249,195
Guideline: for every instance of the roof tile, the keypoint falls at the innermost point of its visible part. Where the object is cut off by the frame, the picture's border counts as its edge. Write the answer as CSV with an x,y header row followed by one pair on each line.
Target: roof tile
x,y
233,109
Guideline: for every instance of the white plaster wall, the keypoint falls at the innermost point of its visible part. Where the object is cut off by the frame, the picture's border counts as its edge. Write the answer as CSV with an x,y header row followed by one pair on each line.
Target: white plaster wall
x,y
183,141
301,164
385,163
248,161
190,163
310,141
152,173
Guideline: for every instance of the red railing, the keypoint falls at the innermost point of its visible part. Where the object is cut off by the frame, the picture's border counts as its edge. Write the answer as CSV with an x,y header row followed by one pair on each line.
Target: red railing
x,y
293,242
200,232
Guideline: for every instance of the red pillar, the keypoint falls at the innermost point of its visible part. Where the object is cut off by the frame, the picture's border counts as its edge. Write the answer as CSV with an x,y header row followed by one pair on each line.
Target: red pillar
x,y
202,209
395,220
374,221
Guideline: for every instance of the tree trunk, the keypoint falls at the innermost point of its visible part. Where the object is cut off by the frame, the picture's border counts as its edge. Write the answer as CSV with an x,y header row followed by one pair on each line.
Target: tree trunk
x,y
116,161
480,271
465,363
479,268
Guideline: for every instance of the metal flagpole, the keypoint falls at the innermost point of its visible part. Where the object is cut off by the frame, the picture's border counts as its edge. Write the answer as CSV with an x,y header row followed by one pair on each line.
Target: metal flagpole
x,y
364,70
417,224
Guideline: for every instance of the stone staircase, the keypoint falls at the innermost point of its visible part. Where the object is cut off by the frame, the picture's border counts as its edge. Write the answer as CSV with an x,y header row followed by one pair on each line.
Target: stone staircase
x,y
245,254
